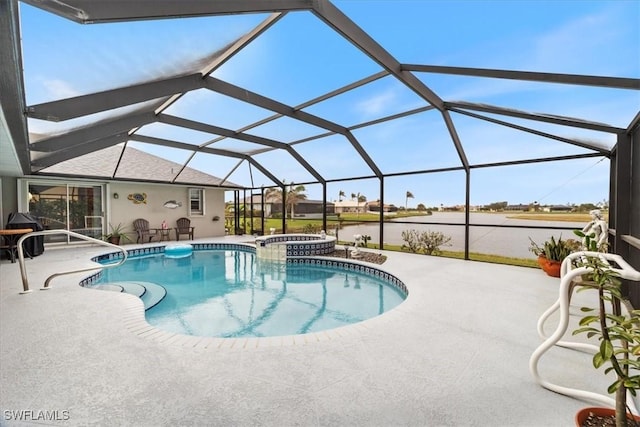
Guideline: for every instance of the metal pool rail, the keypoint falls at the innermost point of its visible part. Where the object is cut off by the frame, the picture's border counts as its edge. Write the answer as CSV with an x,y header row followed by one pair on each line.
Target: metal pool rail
x,y
23,271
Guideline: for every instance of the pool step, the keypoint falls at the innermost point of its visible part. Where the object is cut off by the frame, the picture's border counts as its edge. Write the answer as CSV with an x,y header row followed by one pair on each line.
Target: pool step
x,y
150,293
113,287
155,293
133,288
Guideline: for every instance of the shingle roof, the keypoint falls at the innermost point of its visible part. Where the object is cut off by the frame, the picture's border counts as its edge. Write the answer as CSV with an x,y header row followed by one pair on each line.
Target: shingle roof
x,y
135,164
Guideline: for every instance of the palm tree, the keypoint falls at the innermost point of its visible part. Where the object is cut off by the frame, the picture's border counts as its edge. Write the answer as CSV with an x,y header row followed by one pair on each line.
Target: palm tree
x,y
295,195
406,200
361,198
341,195
291,195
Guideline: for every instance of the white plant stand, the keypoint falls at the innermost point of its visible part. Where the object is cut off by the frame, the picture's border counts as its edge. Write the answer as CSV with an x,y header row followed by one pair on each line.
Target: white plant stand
x,y
568,274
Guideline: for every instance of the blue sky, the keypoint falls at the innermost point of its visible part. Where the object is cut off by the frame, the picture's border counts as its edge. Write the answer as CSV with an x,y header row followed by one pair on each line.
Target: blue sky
x,y
300,58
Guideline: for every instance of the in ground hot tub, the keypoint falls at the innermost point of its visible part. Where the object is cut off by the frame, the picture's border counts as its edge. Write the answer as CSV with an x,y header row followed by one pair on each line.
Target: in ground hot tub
x,y
283,246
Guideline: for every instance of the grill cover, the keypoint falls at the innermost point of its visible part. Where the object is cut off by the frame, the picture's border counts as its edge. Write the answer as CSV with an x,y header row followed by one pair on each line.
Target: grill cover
x,y
33,245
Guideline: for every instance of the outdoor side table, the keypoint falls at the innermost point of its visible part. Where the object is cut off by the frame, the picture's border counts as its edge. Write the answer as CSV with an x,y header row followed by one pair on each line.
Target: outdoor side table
x,y
10,239
165,234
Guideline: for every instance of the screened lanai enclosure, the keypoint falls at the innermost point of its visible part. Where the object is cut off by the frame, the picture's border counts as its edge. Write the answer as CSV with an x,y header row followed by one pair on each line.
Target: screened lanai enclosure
x,y
395,103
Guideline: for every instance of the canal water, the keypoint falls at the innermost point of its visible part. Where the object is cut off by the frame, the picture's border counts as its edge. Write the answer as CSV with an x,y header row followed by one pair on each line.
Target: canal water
x,y
488,239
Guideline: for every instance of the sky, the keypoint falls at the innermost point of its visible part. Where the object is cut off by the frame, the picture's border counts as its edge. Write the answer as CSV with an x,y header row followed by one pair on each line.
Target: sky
x,y
300,58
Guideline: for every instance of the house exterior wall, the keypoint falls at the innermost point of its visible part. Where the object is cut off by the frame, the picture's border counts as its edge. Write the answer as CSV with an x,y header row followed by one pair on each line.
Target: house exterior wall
x,y
304,208
350,206
375,207
256,205
125,211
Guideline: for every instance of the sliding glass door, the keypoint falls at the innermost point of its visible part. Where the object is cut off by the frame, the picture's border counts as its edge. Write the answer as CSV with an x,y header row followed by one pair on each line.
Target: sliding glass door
x,y
74,207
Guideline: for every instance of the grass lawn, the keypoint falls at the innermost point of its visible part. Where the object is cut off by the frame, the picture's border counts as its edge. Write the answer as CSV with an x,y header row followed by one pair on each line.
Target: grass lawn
x,y
498,259
297,225
555,216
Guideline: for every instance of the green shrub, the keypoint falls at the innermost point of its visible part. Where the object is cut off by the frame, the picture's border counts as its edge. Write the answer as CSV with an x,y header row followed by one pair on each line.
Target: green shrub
x,y
427,242
430,242
412,240
311,229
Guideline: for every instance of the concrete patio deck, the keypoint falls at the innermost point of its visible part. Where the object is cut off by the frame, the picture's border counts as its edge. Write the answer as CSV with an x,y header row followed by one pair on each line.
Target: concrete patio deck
x,y
455,353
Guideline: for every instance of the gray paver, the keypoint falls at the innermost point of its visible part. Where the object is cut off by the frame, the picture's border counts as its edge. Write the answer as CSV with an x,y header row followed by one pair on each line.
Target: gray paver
x,y
452,354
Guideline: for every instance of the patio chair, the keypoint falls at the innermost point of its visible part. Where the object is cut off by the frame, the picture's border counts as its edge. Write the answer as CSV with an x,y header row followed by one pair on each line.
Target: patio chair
x,y
184,227
141,226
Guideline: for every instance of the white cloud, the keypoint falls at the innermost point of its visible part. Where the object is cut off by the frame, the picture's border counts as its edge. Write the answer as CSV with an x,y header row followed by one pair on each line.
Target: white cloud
x,y
377,104
59,89
578,44
486,88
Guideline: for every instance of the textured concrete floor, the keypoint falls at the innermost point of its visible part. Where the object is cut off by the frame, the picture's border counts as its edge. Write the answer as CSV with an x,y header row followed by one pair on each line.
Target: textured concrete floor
x,y
455,353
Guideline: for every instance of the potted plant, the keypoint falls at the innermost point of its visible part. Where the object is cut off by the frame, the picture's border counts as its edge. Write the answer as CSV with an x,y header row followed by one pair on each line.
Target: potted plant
x,y
618,332
590,242
551,254
116,234
595,234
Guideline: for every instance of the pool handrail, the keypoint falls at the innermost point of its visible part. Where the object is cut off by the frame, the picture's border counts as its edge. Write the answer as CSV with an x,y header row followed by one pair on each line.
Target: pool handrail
x,y
23,271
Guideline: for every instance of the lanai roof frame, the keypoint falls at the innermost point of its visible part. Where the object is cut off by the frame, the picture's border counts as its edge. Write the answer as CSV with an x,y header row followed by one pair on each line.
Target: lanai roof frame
x,y
95,11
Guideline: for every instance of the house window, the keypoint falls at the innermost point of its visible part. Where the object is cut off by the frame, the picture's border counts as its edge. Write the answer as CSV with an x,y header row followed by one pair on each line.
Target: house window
x,y
196,202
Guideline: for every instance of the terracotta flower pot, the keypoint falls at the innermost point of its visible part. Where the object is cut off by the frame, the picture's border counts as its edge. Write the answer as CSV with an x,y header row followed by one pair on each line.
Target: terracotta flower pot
x,y
583,414
552,268
541,261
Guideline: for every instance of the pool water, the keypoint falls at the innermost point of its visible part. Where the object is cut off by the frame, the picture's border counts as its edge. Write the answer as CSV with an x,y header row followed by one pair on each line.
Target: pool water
x,y
226,293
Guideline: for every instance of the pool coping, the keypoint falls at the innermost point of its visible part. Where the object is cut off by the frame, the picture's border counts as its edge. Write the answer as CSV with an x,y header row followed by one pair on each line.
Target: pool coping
x,y
134,319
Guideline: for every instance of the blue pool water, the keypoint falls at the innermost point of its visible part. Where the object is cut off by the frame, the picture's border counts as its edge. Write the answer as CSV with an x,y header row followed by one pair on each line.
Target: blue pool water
x,y
228,293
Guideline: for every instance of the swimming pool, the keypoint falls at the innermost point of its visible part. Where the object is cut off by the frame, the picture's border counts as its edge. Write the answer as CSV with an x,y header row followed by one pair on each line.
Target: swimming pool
x,y
229,293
